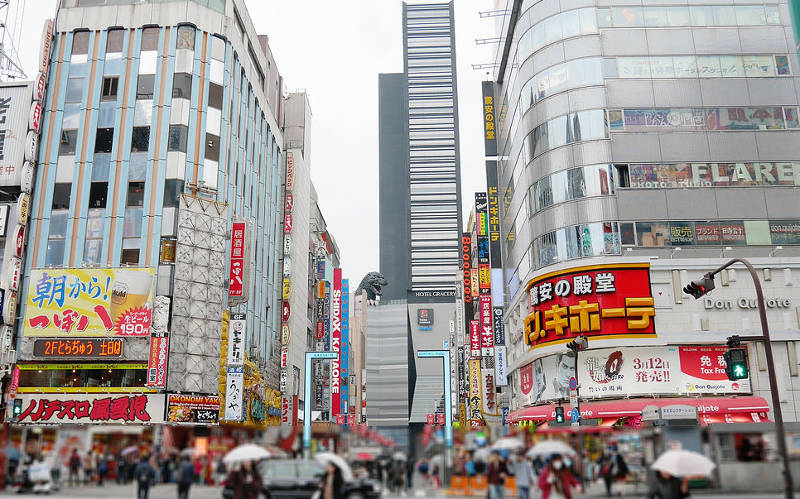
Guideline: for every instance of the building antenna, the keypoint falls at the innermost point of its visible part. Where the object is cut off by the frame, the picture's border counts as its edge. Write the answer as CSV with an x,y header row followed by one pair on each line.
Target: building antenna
x,y
10,67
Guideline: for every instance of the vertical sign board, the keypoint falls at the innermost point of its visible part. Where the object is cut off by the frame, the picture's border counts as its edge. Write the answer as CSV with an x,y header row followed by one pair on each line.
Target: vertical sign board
x,y
475,338
487,336
327,315
234,391
345,347
237,283
466,269
489,114
336,343
493,218
475,402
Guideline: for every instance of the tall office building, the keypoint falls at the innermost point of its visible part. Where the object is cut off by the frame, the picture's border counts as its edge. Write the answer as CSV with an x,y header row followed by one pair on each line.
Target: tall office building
x,y
642,145
420,218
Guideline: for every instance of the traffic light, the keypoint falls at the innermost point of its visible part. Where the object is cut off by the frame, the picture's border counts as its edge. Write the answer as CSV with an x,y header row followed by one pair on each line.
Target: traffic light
x,y
17,409
560,414
736,363
700,287
578,344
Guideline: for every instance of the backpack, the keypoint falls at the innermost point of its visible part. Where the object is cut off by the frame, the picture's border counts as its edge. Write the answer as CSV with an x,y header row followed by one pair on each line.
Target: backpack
x,y
470,468
146,475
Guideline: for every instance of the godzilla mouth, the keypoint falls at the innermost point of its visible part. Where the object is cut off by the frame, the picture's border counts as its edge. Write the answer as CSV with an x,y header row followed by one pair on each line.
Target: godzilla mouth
x,y
376,288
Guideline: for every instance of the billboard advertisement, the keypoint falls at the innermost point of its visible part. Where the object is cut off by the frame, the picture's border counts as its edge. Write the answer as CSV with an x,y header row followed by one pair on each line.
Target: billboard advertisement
x,y
336,343
83,408
192,409
89,302
601,300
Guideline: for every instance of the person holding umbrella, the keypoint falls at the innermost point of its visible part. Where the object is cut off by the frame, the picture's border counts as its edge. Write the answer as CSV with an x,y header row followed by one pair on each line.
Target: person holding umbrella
x,y
246,481
676,463
556,481
332,482
667,486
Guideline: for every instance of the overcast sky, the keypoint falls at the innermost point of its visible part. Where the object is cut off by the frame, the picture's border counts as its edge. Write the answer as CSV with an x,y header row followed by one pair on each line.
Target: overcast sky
x,y
334,51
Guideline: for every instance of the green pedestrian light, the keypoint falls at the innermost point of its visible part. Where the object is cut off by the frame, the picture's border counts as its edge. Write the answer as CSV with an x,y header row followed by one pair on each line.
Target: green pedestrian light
x,y
736,364
559,414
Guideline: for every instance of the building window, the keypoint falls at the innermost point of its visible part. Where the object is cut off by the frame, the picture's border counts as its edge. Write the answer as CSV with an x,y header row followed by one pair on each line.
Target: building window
x,y
130,251
215,95
80,43
98,193
110,84
61,195
212,147
55,252
177,138
140,138
135,194
104,140
114,41
173,189
74,91
68,140
150,38
144,86
182,86
186,37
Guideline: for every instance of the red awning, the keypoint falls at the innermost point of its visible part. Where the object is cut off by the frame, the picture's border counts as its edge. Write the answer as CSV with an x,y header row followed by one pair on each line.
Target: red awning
x,y
633,407
604,426
740,417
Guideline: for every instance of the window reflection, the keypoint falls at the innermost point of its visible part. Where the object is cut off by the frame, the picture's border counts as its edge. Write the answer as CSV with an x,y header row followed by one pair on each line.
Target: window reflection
x,y
576,127
696,15
563,25
578,241
690,66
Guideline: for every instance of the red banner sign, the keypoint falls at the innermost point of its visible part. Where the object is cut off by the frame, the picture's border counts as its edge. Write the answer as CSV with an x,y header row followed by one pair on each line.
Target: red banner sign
x,y
487,334
236,281
600,300
526,379
157,362
287,224
475,338
466,266
320,330
90,408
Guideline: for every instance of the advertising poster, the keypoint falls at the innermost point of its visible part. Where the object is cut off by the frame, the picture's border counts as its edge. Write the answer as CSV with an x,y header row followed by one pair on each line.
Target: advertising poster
x,y
336,343
602,300
192,409
89,302
703,371
82,408
546,379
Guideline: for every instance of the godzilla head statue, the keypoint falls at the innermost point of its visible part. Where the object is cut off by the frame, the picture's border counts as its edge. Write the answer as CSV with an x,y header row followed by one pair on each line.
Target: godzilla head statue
x,y
373,284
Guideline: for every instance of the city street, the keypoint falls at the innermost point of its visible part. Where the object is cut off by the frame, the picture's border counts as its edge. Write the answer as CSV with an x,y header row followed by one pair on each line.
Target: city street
x,y
204,492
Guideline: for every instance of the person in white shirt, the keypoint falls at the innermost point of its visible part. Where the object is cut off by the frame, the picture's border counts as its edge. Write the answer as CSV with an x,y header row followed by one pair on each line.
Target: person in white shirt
x,y
523,475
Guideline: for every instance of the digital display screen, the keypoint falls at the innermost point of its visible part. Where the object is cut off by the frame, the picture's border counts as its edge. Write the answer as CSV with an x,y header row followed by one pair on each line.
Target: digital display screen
x,y
82,348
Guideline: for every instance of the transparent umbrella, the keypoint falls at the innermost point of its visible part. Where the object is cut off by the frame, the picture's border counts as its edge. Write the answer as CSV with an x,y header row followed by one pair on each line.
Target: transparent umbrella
x,y
683,463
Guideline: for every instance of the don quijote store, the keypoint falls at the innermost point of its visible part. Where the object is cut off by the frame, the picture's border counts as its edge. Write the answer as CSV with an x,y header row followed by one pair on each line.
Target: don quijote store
x,y
653,376
81,380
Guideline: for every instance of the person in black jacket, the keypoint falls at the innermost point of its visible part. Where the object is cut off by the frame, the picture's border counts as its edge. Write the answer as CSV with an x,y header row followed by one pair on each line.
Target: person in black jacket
x,y
666,486
332,482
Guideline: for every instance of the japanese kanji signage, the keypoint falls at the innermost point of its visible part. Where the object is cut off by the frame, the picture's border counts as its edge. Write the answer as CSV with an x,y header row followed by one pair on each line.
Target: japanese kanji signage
x,y
236,337
89,302
487,336
157,361
475,404
600,300
481,223
475,338
498,326
489,139
492,196
82,408
289,171
237,284
671,370
192,409
336,342
78,348
234,394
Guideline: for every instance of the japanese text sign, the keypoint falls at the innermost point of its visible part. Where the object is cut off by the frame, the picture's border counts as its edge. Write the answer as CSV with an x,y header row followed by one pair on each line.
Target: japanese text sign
x,y
236,338
157,361
601,300
487,335
482,225
489,113
475,338
289,171
192,409
234,396
475,404
236,284
91,408
336,342
89,302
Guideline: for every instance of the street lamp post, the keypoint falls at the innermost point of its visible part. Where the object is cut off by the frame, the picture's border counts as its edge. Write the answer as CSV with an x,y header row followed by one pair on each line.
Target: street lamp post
x,y
307,398
700,288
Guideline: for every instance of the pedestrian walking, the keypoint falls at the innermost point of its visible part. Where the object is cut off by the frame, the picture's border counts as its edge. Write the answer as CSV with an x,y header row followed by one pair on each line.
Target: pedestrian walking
x,y
145,476
496,474
556,481
246,482
185,477
102,468
74,468
88,468
666,486
613,468
332,482
523,475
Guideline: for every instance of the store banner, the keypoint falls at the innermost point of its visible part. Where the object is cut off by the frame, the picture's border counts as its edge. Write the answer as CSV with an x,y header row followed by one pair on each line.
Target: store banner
x,y
475,338
89,302
481,222
498,326
501,365
239,272
192,409
236,339
327,315
345,347
611,301
234,394
157,361
489,118
336,343
475,402
703,371
487,335
488,386
88,408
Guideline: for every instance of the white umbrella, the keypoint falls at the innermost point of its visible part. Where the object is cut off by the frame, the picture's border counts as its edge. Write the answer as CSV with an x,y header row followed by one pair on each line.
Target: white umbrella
x,y
507,443
246,452
481,455
399,456
129,450
549,447
683,463
329,457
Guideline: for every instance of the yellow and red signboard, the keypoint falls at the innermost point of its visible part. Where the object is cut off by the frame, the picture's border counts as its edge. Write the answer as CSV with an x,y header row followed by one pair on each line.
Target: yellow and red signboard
x,y
89,302
601,300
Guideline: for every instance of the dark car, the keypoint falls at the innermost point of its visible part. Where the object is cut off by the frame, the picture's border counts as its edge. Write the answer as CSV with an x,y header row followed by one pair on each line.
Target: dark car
x,y
299,479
